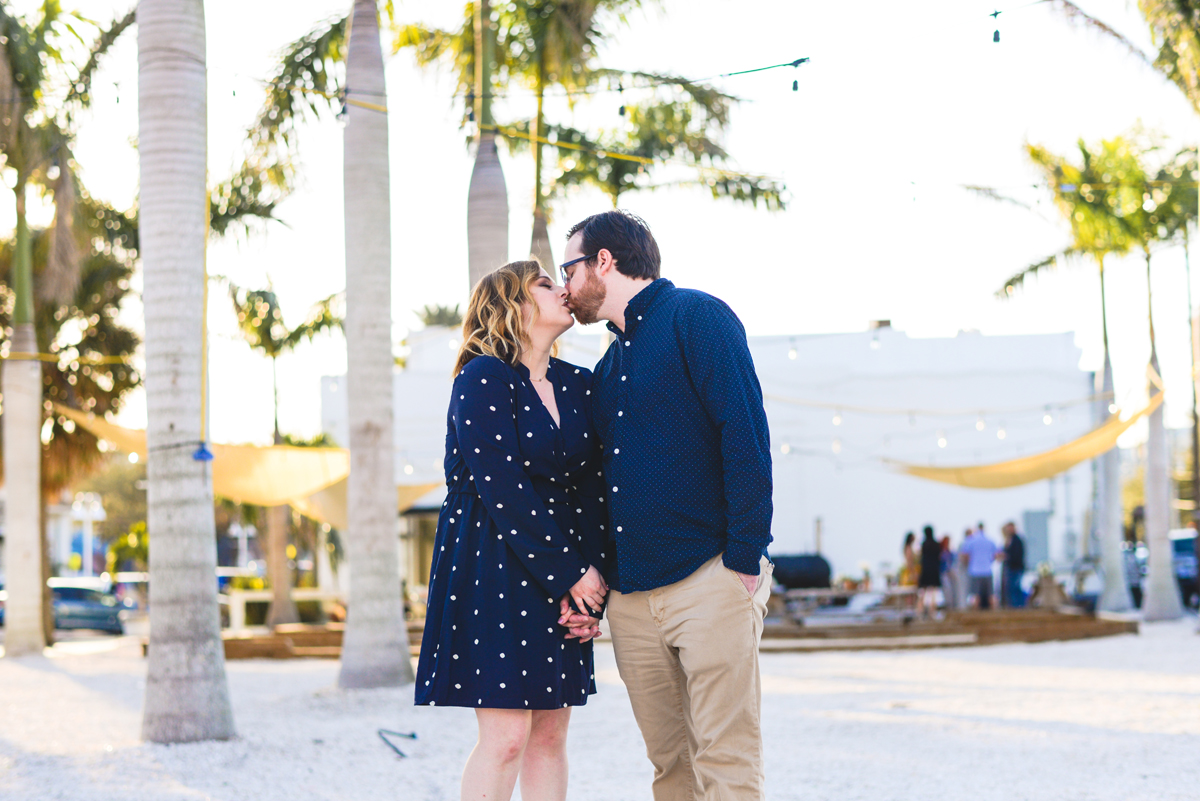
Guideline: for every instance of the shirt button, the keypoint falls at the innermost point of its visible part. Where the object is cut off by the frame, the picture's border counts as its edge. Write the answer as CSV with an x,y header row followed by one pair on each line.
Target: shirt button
x,y
622,378
627,343
620,414
616,451
614,489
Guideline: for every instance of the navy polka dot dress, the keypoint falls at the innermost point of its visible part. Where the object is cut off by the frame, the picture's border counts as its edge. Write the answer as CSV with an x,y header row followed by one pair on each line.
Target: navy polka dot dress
x,y
524,518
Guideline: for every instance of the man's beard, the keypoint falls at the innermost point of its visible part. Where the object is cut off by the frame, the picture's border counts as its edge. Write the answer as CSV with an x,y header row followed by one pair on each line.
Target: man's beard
x,y
586,302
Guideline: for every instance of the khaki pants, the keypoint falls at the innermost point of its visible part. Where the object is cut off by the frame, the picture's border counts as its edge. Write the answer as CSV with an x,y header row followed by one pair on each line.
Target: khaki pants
x,y
688,654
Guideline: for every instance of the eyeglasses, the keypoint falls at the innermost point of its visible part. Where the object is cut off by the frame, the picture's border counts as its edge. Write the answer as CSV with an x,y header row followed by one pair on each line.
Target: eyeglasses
x,y
562,268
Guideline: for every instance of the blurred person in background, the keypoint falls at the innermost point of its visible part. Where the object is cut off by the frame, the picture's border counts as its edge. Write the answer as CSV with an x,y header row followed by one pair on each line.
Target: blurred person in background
x,y
930,580
979,552
949,574
1012,568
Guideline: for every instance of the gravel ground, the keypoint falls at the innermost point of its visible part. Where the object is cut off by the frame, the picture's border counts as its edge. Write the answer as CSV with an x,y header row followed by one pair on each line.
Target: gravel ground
x,y
1117,718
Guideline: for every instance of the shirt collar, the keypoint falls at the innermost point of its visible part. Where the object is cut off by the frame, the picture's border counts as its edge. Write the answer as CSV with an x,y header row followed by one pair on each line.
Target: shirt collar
x,y
639,305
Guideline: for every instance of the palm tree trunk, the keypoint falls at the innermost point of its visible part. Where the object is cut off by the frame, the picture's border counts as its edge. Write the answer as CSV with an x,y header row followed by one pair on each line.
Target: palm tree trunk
x,y
283,609
1114,596
375,648
539,247
487,196
22,420
187,698
1162,591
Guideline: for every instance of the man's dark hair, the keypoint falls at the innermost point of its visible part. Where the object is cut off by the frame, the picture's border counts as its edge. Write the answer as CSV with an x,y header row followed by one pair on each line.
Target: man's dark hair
x,y
626,236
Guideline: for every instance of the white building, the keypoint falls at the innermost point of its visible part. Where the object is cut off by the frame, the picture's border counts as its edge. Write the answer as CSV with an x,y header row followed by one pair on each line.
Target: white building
x,y
839,406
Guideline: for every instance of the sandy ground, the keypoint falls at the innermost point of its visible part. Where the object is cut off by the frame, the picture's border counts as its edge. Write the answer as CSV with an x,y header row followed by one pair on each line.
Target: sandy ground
x,y
1117,718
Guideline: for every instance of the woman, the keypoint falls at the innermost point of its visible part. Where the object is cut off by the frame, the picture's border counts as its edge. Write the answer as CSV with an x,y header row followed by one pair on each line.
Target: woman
x,y
909,573
949,574
520,535
931,574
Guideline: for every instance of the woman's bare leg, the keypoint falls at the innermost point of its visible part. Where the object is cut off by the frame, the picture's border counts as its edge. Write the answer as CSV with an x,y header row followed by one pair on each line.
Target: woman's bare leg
x,y
544,768
492,768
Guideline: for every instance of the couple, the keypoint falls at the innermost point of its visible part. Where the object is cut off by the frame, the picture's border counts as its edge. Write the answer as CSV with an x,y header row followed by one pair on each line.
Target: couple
x,y
642,491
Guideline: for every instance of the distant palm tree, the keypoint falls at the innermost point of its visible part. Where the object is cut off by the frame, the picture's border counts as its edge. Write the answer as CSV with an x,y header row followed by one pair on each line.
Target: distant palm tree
x,y
261,322
554,45
487,194
375,648
1088,198
447,316
187,697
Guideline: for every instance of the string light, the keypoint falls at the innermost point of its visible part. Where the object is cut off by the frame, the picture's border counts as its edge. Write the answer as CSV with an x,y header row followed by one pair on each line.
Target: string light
x,y
837,419
837,446
941,439
785,448
792,352
1112,408
1047,418
979,424
1000,433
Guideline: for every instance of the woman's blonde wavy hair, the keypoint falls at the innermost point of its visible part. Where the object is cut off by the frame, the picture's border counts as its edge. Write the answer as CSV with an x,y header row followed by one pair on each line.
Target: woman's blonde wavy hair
x,y
495,323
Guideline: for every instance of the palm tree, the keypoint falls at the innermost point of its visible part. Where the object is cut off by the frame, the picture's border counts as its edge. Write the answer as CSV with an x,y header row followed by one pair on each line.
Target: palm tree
x,y
187,697
1156,216
487,194
1088,201
35,140
375,648
87,348
261,323
553,44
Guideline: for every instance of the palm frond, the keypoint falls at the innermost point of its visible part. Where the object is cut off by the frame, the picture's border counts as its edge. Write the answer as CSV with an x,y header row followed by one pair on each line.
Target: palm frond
x,y
80,93
1050,262
1077,15
995,194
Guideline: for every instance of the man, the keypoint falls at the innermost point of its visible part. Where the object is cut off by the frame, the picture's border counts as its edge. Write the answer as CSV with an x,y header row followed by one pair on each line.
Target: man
x,y
979,552
679,412
1013,568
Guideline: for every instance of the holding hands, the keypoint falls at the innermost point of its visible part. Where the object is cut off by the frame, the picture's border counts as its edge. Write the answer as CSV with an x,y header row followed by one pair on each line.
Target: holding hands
x,y
588,594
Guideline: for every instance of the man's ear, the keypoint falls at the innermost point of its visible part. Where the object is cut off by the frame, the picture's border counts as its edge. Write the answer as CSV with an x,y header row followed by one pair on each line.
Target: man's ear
x,y
605,262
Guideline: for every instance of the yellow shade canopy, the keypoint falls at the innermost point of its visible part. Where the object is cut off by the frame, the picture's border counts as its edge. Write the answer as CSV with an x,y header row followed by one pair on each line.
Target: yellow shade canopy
x,y
1028,469
313,480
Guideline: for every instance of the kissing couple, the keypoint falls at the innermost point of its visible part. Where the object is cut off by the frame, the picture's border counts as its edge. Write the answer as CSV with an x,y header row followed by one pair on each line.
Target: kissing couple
x,y
640,490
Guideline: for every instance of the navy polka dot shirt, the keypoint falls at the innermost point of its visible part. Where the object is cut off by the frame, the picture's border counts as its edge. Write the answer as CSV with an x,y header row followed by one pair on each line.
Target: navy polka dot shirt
x,y
686,451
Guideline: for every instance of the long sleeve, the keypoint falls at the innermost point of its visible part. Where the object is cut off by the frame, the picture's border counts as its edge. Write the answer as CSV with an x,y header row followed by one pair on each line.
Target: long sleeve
x,y
722,372
484,419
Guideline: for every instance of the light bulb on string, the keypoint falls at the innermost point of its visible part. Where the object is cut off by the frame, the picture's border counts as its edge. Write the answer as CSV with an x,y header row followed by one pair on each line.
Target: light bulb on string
x,y
979,424
1112,408
1047,418
408,469
875,340
792,352
837,446
941,440
1001,433
785,448
837,418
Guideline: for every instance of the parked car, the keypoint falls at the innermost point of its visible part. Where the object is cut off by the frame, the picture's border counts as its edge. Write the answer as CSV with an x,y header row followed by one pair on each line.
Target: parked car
x,y
80,604
1183,548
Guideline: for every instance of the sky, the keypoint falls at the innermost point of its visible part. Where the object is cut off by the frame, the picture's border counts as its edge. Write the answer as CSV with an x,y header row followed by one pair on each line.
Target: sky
x,y
899,107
